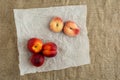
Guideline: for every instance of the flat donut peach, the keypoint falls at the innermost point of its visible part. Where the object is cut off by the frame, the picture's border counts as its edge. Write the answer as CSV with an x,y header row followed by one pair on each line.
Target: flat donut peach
x,y
56,24
71,29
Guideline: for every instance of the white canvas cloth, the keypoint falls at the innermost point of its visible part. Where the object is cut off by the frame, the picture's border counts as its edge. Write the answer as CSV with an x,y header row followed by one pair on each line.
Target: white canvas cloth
x,y
72,51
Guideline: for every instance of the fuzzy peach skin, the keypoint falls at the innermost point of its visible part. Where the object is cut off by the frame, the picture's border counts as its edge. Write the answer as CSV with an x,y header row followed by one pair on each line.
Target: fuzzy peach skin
x,y
49,49
56,24
71,29
34,45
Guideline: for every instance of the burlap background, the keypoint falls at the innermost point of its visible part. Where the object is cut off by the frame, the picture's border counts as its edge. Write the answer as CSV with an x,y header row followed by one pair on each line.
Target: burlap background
x,y
103,23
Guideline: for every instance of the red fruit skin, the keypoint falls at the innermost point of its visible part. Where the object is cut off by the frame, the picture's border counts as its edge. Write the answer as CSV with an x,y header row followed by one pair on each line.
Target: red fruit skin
x,y
49,49
33,42
52,46
37,60
49,53
77,31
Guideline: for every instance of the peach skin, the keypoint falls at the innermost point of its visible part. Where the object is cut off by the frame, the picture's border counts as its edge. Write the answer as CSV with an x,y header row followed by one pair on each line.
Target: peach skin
x,y
56,24
71,29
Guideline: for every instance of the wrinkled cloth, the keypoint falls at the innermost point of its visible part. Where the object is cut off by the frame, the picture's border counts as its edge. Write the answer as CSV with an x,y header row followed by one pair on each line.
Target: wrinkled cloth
x,y
72,51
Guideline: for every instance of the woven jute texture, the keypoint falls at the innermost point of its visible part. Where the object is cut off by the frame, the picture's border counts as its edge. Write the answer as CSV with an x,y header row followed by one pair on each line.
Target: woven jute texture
x,y
103,25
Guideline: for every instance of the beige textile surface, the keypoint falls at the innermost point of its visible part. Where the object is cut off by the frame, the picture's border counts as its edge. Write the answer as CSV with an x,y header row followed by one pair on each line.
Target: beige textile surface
x,y
103,24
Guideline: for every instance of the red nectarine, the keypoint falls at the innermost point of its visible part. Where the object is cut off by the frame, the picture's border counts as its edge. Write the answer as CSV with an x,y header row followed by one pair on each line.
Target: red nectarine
x,y
37,59
49,49
34,45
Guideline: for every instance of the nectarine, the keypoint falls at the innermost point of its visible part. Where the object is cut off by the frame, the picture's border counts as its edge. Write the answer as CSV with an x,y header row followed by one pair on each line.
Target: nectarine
x,y
37,59
49,49
34,45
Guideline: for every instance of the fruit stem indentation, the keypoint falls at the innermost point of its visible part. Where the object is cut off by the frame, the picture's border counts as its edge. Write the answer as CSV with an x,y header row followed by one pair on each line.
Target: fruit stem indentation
x,y
71,28
57,25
